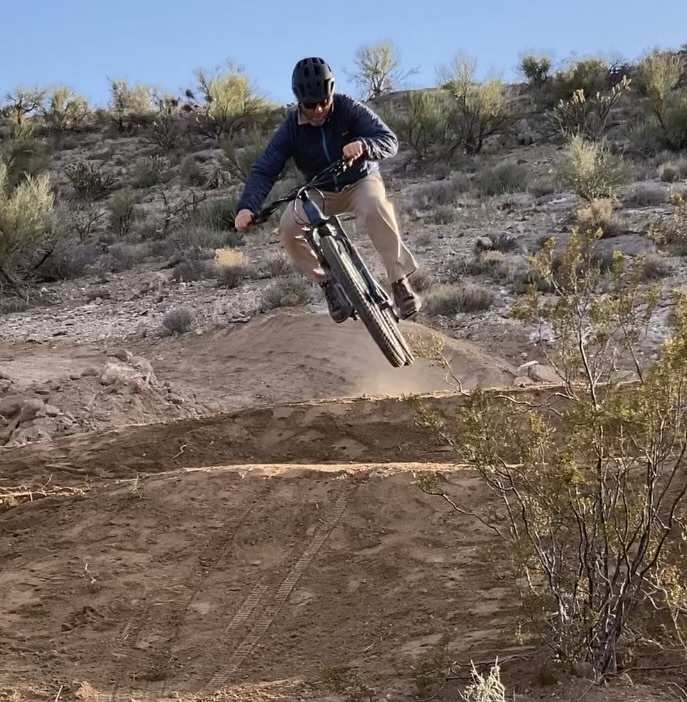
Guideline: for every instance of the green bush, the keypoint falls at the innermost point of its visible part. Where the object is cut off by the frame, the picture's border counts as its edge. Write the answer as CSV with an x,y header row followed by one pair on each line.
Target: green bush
x,y
25,214
505,177
591,170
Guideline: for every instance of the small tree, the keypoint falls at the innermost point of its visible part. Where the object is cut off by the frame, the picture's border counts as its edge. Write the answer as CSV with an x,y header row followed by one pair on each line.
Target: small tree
x,y
128,104
478,110
535,68
25,212
592,479
21,102
659,73
378,69
421,123
65,110
230,102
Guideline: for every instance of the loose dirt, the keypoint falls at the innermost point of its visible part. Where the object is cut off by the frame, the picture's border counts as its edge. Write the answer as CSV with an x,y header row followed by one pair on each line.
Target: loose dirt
x,y
243,522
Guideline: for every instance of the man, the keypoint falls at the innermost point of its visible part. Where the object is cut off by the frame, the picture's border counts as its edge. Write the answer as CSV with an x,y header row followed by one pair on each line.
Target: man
x,y
324,127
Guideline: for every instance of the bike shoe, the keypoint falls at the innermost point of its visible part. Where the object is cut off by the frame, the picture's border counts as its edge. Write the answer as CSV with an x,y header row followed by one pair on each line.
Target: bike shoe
x,y
406,300
338,311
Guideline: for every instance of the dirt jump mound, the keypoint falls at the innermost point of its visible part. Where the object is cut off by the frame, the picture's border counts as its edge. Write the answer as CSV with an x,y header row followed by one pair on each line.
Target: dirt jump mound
x,y
291,356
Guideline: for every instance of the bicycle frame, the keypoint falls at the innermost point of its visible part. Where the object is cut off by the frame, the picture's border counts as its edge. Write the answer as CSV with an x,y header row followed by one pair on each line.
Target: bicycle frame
x,y
321,225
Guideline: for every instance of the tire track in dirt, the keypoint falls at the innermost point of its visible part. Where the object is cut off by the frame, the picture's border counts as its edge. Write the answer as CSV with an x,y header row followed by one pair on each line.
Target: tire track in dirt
x,y
269,611
140,627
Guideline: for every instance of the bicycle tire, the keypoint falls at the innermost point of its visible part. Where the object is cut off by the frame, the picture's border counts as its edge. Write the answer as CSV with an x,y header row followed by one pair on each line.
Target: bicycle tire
x,y
383,332
391,319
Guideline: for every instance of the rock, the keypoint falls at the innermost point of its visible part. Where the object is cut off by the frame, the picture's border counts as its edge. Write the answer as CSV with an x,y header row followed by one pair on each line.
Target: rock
x,y
10,407
123,355
288,301
484,243
5,384
51,410
28,435
537,372
29,409
90,372
4,375
522,381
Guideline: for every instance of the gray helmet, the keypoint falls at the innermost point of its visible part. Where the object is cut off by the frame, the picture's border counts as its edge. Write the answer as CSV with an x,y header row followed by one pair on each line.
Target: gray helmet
x,y
312,80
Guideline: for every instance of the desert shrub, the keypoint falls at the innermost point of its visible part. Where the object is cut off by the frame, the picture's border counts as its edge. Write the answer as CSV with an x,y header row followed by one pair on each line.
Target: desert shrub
x,y
657,75
148,171
542,186
230,102
675,121
25,216
24,155
67,260
673,170
128,104
591,75
587,115
592,478
423,279
421,123
122,211
278,264
125,256
535,68
505,177
233,267
192,173
447,300
217,214
655,267
646,137
591,169
671,235
645,195
179,320
193,269
290,290
440,193
476,110
65,110
88,180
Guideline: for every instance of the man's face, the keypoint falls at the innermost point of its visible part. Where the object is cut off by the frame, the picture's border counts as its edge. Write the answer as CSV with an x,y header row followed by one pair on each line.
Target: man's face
x,y
316,112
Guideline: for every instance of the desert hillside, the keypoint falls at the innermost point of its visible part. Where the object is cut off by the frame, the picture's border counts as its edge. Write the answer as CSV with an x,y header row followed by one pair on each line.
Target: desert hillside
x,y
210,491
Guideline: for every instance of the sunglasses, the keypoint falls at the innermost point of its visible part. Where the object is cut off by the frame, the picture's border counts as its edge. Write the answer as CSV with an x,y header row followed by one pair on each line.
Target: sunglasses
x,y
315,105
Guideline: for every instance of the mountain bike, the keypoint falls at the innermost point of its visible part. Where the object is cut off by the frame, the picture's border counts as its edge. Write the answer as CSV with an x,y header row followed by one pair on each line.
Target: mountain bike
x,y
345,268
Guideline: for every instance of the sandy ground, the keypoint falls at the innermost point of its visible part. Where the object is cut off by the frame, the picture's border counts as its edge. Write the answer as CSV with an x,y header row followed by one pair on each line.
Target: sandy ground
x,y
248,546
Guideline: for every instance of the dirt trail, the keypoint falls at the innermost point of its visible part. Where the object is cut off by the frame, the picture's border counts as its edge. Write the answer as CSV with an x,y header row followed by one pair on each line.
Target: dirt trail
x,y
275,571
238,555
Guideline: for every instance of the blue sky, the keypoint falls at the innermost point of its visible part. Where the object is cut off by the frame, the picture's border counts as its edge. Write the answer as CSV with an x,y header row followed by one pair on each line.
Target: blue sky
x,y
82,43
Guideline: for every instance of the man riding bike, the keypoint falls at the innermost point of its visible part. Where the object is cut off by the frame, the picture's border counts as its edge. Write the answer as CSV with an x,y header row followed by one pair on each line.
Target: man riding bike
x,y
323,127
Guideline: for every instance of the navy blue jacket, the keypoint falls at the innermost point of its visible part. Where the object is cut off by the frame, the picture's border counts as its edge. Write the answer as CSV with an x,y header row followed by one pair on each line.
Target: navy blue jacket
x,y
314,148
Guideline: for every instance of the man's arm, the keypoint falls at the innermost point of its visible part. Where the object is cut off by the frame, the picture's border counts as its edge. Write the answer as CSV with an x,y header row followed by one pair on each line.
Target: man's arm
x,y
376,136
266,169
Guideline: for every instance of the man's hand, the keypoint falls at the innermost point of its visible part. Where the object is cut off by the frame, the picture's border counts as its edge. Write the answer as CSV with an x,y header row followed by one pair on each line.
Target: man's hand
x,y
243,220
353,151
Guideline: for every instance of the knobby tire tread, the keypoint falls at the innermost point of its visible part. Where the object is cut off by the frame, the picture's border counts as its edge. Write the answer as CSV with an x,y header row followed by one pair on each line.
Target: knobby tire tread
x,y
384,333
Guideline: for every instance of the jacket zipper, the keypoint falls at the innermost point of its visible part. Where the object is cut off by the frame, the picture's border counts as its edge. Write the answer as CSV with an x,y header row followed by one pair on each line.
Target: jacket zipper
x,y
326,153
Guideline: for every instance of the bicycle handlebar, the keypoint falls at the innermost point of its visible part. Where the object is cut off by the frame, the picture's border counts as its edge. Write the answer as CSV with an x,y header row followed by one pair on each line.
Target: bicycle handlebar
x,y
336,168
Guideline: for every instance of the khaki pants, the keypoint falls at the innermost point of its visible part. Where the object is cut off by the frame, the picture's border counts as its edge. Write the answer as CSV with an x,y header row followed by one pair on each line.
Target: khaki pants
x,y
375,217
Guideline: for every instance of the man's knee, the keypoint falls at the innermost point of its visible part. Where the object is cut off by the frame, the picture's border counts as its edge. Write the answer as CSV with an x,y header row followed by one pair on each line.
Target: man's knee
x,y
370,199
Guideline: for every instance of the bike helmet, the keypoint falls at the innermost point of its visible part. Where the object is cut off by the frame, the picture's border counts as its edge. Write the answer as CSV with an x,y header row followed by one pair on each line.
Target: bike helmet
x,y
312,80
